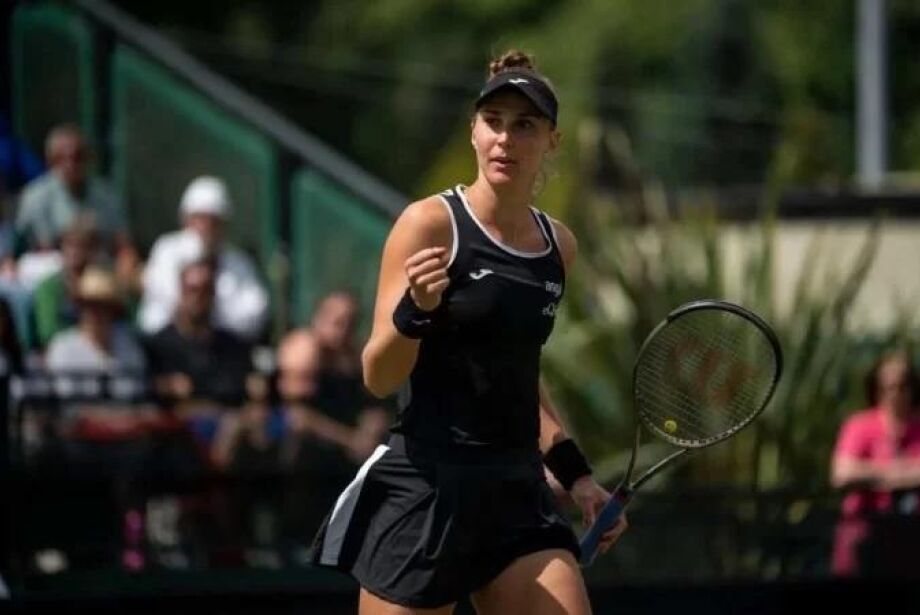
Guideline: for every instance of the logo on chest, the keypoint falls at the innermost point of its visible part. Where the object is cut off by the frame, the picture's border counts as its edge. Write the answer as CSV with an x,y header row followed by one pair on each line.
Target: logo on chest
x,y
554,288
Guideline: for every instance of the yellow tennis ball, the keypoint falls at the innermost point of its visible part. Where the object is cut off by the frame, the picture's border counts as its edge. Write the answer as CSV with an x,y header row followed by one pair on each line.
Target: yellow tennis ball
x,y
670,426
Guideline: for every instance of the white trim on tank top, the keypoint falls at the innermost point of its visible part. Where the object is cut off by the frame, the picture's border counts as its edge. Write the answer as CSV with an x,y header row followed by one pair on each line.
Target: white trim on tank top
x,y
549,245
453,225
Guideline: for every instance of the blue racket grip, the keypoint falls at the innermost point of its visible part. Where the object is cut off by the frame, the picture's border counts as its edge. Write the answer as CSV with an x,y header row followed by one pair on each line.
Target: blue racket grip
x,y
607,518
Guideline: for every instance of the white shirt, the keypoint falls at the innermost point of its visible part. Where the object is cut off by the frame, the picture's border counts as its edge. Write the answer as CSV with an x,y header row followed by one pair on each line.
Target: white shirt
x,y
73,351
240,302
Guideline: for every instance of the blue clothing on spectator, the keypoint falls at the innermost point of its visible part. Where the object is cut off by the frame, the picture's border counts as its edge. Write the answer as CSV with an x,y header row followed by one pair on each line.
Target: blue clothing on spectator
x,y
18,163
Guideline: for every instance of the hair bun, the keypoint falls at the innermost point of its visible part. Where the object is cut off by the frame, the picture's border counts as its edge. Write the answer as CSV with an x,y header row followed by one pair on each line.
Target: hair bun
x,y
513,58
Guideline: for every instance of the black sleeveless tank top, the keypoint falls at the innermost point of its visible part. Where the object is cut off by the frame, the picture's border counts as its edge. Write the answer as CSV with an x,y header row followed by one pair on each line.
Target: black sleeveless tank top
x,y
475,383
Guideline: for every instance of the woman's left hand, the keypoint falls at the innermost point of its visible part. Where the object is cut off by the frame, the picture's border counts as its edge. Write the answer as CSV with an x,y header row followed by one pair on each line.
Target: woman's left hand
x,y
590,498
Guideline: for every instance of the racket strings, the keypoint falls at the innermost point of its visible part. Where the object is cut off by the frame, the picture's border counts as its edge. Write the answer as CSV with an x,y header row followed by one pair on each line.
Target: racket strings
x,y
747,397
703,376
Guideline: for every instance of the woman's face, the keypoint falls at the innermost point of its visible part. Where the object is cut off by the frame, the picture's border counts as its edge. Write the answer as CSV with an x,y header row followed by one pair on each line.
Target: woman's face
x,y
511,138
894,385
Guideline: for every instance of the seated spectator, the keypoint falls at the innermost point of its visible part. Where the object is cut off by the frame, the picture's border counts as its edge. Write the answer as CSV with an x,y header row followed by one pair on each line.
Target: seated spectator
x,y
341,392
54,303
241,301
11,359
877,459
50,203
317,450
98,343
248,449
192,361
11,289
98,346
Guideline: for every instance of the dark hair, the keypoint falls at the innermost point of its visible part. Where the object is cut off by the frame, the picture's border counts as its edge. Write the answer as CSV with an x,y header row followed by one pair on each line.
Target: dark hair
x,y
208,262
870,383
511,59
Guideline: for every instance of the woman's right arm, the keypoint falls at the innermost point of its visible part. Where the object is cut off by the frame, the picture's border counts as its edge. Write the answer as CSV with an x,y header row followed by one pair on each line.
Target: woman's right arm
x,y
849,473
415,256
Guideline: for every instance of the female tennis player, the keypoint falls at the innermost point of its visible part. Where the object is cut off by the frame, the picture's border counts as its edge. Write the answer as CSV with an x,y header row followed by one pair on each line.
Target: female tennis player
x,y
457,503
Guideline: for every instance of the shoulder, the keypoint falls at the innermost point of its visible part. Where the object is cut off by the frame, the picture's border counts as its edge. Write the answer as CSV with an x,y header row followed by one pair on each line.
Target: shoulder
x,y
237,259
50,286
162,337
226,338
62,346
863,422
568,244
168,242
868,417
129,343
37,191
426,222
427,215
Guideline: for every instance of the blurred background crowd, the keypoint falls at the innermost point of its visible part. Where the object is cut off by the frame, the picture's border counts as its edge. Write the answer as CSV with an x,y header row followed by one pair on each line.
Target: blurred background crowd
x,y
187,266
157,378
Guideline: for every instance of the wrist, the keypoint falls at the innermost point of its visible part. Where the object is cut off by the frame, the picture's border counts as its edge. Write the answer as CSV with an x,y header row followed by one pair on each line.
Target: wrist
x,y
421,304
567,463
581,482
411,320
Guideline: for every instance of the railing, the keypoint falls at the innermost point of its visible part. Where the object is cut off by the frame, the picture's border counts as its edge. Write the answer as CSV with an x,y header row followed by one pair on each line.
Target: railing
x,y
158,463
160,117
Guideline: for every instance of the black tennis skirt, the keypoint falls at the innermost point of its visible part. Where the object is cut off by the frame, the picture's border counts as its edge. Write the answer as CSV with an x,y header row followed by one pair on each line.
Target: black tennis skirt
x,y
422,532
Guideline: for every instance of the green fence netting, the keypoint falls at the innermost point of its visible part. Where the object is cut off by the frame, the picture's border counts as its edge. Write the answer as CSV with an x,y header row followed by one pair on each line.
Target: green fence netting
x,y
164,134
54,75
336,241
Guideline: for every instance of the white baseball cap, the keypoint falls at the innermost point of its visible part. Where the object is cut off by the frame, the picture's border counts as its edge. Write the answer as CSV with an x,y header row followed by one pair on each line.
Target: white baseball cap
x,y
206,195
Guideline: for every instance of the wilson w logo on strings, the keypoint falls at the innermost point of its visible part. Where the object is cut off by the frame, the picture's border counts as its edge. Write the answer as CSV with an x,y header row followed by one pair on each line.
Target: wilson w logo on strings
x,y
709,372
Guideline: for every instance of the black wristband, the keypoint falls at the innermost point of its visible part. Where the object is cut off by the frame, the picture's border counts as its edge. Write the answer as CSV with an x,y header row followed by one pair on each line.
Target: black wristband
x,y
411,320
567,463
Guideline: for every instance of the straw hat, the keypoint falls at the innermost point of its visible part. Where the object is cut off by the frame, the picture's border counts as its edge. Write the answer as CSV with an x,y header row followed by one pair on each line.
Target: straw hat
x,y
98,285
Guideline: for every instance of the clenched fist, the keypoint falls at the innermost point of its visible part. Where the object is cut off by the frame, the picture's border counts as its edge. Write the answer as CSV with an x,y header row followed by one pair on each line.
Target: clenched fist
x,y
426,271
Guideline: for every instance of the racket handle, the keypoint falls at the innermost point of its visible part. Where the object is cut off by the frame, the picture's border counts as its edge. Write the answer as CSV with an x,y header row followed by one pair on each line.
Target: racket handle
x,y
607,518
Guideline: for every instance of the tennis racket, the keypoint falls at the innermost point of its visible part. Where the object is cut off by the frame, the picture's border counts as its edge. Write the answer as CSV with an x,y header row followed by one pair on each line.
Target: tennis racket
x,y
702,375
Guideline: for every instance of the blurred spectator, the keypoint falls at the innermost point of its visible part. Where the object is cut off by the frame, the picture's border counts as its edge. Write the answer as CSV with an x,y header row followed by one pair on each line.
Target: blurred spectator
x,y
341,392
317,450
248,441
248,449
11,359
7,235
54,302
18,163
877,459
191,359
98,343
241,302
11,289
50,203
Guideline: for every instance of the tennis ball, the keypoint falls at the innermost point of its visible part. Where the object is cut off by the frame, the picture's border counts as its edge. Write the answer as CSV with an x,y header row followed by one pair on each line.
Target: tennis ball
x,y
670,426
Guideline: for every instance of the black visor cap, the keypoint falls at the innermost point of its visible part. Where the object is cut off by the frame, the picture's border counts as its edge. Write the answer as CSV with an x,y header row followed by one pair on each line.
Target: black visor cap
x,y
527,83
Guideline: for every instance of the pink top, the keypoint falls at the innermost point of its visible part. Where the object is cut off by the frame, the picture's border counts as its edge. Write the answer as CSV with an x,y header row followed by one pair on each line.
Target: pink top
x,y
867,436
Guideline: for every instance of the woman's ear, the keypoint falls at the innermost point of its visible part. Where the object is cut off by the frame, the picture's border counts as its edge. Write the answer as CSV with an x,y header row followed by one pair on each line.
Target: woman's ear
x,y
555,138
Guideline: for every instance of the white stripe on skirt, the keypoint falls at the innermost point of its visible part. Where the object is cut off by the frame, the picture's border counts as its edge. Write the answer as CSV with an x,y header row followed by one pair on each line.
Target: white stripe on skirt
x,y
343,511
